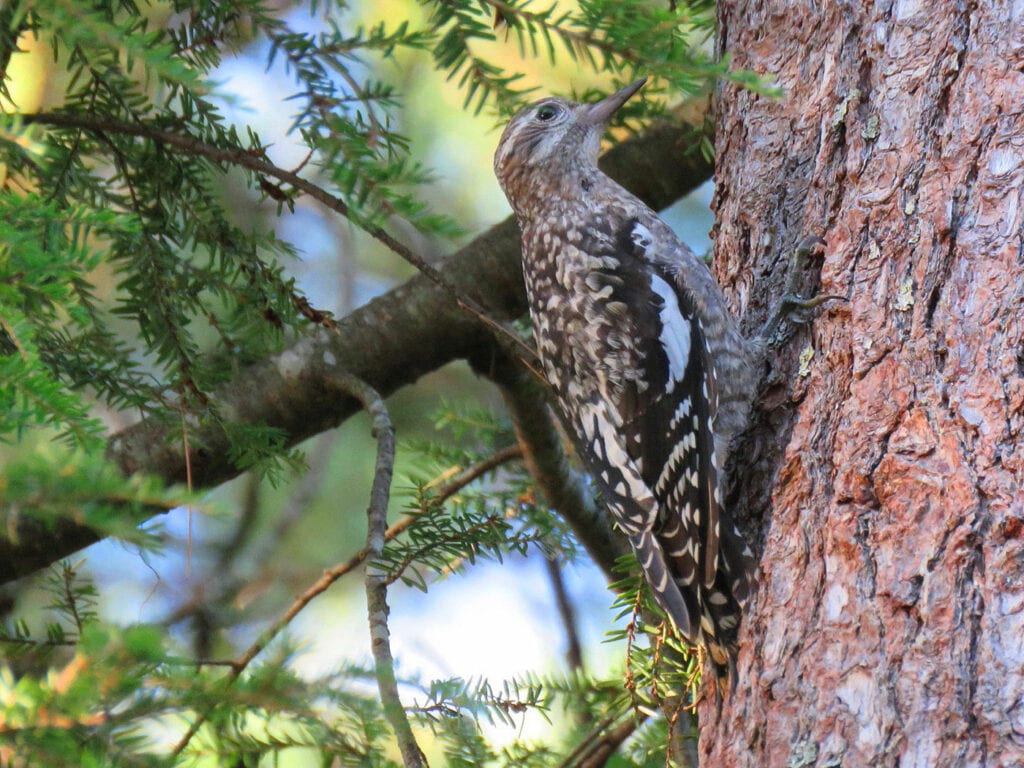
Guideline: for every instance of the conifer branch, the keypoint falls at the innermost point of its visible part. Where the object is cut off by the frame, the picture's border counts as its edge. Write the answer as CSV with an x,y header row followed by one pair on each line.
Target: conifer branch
x,y
576,39
376,587
372,549
255,160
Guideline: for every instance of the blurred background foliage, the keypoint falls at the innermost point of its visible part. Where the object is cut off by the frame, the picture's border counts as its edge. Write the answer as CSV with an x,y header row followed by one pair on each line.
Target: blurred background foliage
x,y
136,277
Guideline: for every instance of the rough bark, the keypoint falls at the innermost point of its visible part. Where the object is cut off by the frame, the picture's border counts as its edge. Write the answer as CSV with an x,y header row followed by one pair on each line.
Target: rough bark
x,y
389,343
888,628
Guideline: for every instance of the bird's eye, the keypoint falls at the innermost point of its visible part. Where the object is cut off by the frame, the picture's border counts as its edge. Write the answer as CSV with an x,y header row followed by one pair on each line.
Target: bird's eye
x,y
547,112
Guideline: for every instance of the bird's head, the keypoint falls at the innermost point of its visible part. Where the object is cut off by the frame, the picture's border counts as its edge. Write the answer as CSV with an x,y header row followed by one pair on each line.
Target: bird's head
x,y
553,141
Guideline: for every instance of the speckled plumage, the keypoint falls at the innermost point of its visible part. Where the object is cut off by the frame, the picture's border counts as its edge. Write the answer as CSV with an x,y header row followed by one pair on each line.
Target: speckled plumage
x,y
648,367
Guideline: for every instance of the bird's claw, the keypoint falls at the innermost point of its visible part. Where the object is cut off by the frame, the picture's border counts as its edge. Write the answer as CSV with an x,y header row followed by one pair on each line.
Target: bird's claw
x,y
791,305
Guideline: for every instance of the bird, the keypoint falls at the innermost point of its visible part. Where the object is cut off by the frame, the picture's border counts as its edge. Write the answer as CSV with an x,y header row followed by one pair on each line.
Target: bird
x,y
649,370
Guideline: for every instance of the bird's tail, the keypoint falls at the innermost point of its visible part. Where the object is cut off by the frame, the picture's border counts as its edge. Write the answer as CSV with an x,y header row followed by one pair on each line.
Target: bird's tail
x,y
722,605
707,616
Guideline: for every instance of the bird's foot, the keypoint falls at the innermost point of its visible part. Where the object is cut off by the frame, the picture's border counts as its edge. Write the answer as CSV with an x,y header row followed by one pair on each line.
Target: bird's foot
x,y
791,305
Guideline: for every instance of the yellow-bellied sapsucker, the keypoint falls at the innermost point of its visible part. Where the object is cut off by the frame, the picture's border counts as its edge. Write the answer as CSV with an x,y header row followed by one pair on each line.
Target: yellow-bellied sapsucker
x,y
648,366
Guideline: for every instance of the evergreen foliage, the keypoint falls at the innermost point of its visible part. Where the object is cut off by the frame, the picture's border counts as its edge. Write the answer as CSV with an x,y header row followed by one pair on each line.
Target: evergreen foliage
x,y
123,182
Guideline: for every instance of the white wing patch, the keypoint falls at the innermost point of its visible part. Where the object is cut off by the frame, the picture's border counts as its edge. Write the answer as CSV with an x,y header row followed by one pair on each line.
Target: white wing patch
x,y
642,239
675,331
683,410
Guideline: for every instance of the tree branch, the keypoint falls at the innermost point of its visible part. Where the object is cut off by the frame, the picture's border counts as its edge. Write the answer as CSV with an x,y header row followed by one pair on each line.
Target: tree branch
x,y
567,613
388,343
377,579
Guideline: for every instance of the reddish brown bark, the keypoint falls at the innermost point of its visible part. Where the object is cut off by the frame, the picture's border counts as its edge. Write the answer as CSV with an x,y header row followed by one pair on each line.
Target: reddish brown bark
x,y
888,628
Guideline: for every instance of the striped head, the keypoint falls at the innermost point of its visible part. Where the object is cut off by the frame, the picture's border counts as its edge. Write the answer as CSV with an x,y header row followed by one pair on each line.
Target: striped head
x,y
550,147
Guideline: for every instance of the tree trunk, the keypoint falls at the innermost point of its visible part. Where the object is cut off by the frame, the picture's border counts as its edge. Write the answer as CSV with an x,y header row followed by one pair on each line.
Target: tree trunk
x,y
886,474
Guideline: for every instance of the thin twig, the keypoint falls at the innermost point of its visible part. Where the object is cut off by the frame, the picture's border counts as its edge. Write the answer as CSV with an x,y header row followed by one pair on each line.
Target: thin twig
x,y
567,613
67,577
475,471
376,578
502,334
187,452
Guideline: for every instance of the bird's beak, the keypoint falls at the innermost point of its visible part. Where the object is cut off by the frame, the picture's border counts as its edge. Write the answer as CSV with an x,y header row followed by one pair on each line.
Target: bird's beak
x,y
599,112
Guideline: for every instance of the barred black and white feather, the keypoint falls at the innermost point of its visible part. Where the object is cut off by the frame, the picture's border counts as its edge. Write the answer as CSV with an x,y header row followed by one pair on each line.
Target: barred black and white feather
x,y
649,369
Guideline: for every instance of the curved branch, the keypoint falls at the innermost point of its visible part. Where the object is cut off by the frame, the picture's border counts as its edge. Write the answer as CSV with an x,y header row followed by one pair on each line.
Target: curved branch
x,y
388,343
376,579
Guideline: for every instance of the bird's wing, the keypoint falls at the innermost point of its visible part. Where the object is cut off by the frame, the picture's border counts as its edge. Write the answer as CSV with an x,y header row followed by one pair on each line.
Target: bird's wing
x,y
645,430
668,420
631,501
668,426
